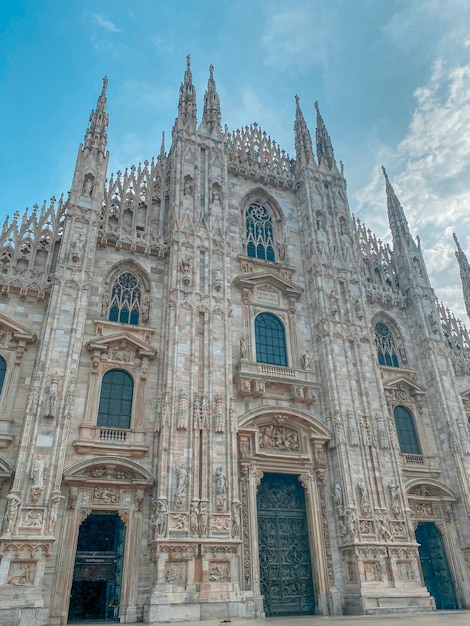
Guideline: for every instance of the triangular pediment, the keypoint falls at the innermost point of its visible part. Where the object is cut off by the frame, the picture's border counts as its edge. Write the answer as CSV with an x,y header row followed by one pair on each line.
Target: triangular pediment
x,y
269,278
17,330
402,381
465,393
122,341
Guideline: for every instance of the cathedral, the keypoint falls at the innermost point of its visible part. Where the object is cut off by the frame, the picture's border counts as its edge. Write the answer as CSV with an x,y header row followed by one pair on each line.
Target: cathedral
x,y
222,396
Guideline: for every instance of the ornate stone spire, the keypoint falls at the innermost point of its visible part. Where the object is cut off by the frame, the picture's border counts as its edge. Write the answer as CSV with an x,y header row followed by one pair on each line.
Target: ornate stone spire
x,y
464,273
402,238
162,147
187,100
303,140
97,132
325,152
211,116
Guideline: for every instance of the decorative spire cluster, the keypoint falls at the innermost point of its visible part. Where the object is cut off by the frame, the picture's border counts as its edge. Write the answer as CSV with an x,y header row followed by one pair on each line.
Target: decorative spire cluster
x,y
211,116
96,135
187,107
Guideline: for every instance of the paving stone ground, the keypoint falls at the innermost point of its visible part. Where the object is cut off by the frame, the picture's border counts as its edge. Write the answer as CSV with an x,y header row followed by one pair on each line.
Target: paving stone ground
x,y
438,618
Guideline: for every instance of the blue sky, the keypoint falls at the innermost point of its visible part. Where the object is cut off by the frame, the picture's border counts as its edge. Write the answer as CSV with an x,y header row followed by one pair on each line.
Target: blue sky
x,y
392,79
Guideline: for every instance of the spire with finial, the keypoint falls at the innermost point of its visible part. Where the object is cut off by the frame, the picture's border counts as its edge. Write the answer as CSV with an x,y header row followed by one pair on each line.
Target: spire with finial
x,y
97,132
303,140
211,116
464,273
325,152
187,100
397,219
162,147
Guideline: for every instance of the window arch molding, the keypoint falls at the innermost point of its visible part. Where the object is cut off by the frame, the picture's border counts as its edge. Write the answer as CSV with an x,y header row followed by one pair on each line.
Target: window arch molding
x,y
259,197
144,291
390,348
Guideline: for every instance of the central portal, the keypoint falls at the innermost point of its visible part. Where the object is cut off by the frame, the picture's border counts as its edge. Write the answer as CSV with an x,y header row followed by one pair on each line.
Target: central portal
x,y
284,552
96,587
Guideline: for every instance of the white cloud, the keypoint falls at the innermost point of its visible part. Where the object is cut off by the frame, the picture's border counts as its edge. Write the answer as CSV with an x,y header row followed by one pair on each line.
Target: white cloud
x,y
104,23
430,171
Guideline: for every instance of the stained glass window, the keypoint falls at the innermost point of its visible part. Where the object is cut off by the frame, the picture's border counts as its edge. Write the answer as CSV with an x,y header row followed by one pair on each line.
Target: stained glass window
x,y
386,350
125,299
115,407
259,233
270,340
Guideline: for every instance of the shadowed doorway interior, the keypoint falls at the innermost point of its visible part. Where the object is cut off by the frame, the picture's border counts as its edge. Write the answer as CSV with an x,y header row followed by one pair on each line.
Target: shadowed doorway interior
x,y
96,587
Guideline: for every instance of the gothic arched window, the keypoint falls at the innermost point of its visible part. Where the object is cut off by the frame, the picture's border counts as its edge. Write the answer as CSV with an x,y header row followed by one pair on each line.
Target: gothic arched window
x,y
386,350
3,371
406,431
259,232
115,408
125,299
270,340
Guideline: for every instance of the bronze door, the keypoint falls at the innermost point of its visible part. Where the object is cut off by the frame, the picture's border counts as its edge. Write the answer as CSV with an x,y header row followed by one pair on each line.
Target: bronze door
x,y
284,552
96,586
435,566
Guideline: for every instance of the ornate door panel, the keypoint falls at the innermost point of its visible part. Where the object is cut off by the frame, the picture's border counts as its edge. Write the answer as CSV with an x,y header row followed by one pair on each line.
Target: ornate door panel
x,y
284,553
435,567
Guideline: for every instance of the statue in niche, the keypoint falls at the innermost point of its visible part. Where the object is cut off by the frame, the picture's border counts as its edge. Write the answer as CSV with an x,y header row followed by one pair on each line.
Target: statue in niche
x,y
396,502
338,497
188,186
51,405
350,520
218,278
243,346
145,309
216,194
159,521
194,518
13,504
52,515
37,473
203,518
364,499
33,400
88,185
221,482
382,524
282,248
181,476
236,518
306,360
77,246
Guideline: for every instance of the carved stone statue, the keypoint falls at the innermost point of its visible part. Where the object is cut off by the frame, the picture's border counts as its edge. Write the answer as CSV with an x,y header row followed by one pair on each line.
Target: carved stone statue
x,y
194,518
13,503
306,360
51,405
37,473
181,476
52,514
221,482
243,346
203,518
235,519
159,521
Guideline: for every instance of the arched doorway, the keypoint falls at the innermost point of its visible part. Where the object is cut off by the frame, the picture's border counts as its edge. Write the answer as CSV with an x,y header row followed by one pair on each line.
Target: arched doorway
x,y
284,552
435,566
97,575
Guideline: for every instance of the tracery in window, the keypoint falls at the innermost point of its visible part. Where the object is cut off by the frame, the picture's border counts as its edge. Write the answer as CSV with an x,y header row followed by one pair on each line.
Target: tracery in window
x,y
270,340
259,232
386,349
3,371
115,408
126,296
406,431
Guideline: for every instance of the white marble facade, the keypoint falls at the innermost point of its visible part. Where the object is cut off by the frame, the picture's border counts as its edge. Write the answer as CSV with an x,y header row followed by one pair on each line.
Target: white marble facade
x,y
166,274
